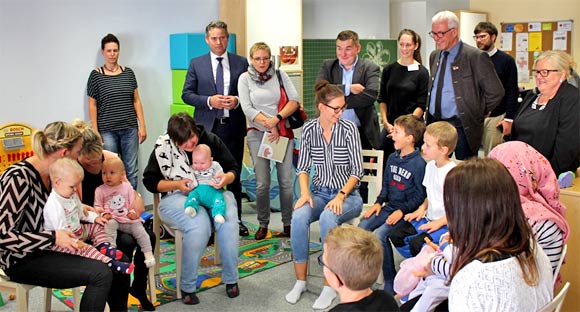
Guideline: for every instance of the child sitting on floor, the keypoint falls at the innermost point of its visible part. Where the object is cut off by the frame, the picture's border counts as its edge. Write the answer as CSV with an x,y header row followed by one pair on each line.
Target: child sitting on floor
x,y
114,198
352,260
205,194
64,211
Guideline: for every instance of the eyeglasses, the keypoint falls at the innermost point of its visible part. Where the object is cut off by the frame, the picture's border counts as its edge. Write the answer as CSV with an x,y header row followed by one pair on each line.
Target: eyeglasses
x,y
543,72
261,60
482,36
321,263
336,109
439,34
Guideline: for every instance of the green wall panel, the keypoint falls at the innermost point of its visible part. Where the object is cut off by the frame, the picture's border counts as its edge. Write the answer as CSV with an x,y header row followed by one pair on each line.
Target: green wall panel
x,y
381,52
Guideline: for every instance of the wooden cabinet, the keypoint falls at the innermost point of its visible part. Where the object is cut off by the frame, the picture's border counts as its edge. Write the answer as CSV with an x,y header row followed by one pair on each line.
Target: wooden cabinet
x,y
570,197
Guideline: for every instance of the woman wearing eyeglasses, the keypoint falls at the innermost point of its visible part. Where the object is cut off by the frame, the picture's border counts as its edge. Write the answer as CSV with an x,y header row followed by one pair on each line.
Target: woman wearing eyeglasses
x,y
549,120
332,146
403,86
259,95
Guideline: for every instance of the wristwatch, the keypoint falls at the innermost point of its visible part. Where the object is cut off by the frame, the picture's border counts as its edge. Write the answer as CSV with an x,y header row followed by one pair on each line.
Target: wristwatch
x,y
279,117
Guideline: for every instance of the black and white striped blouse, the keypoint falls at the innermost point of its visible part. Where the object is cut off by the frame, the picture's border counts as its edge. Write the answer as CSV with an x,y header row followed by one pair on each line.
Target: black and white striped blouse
x,y
22,199
114,96
334,162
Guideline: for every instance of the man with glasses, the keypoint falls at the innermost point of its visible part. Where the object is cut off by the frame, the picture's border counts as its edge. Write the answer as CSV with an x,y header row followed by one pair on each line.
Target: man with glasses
x,y
464,85
499,122
359,80
211,86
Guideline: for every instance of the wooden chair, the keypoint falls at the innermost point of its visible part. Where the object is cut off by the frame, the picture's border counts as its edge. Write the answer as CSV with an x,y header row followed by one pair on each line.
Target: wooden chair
x,y
22,294
373,165
556,304
178,236
564,251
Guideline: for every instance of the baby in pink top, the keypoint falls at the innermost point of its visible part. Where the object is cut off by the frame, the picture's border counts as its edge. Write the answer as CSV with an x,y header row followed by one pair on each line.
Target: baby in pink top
x,y
115,198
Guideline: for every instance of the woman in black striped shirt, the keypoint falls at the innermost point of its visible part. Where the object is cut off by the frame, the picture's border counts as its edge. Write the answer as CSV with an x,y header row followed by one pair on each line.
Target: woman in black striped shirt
x,y
115,108
332,146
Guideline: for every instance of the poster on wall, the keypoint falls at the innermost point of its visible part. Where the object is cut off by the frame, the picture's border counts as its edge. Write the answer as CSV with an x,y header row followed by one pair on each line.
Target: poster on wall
x,y
288,55
522,42
560,40
535,41
522,64
506,41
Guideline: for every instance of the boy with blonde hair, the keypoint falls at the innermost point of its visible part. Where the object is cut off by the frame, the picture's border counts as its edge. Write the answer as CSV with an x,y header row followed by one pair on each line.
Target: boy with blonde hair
x,y
351,262
438,143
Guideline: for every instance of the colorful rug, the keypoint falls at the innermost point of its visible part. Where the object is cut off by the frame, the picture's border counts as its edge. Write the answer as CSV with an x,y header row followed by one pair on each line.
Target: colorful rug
x,y
254,257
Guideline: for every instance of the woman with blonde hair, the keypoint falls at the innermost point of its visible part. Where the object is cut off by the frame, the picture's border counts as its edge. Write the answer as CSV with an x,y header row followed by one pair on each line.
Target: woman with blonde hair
x,y
25,254
259,93
91,157
549,120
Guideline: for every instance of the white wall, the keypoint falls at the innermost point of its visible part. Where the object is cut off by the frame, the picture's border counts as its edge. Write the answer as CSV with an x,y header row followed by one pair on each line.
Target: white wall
x,y
324,19
48,48
411,15
275,26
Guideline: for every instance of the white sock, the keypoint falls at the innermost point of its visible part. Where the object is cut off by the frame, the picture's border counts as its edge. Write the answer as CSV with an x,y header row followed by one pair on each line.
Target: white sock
x,y
294,295
325,299
149,259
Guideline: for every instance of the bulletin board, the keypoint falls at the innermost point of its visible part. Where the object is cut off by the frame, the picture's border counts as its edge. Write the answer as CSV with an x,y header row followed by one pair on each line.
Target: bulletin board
x,y
526,40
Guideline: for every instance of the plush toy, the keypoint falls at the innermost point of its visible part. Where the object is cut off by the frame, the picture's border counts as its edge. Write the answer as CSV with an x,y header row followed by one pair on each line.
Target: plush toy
x,y
413,269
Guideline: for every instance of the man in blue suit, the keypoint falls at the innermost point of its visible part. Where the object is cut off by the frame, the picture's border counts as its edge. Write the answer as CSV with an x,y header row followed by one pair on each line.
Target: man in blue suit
x,y
212,87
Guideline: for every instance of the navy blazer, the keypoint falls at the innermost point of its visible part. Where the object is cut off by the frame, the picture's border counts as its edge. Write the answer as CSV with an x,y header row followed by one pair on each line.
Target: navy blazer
x,y
366,73
200,84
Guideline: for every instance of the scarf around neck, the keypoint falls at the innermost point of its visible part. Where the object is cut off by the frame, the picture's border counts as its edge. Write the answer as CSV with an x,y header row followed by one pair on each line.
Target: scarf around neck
x,y
173,161
258,77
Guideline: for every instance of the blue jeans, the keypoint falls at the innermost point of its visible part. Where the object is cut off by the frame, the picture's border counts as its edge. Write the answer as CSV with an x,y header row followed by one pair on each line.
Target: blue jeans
x,y
382,233
196,233
303,216
126,144
285,180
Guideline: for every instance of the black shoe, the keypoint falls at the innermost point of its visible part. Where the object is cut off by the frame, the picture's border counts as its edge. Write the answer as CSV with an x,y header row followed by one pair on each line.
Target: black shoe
x,y
232,290
286,232
146,305
243,230
261,233
189,298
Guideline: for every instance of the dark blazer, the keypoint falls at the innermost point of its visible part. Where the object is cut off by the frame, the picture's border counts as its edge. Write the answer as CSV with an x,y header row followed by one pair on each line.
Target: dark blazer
x,y
558,136
200,84
366,73
477,88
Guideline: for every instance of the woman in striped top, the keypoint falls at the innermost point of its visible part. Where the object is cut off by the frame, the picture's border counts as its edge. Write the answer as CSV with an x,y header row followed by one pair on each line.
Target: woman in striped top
x,y
539,194
115,108
332,146
25,245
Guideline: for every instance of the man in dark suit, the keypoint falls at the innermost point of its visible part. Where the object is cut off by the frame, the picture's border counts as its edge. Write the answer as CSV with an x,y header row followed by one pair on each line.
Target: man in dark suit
x,y
211,86
359,80
464,85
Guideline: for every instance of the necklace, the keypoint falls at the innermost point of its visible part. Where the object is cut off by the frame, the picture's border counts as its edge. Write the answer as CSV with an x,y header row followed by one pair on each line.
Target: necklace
x,y
112,70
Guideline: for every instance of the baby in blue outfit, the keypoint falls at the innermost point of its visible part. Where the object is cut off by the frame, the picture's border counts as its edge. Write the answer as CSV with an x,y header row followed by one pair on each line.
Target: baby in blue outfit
x,y
205,169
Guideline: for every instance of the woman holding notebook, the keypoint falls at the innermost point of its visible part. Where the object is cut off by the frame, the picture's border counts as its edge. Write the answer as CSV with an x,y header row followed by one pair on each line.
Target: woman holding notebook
x,y
259,94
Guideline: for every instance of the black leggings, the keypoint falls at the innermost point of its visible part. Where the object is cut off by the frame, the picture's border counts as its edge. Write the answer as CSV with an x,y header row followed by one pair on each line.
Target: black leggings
x,y
58,270
119,294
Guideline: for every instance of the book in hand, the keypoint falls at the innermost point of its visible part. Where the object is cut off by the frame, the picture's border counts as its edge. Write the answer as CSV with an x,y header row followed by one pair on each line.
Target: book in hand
x,y
272,150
